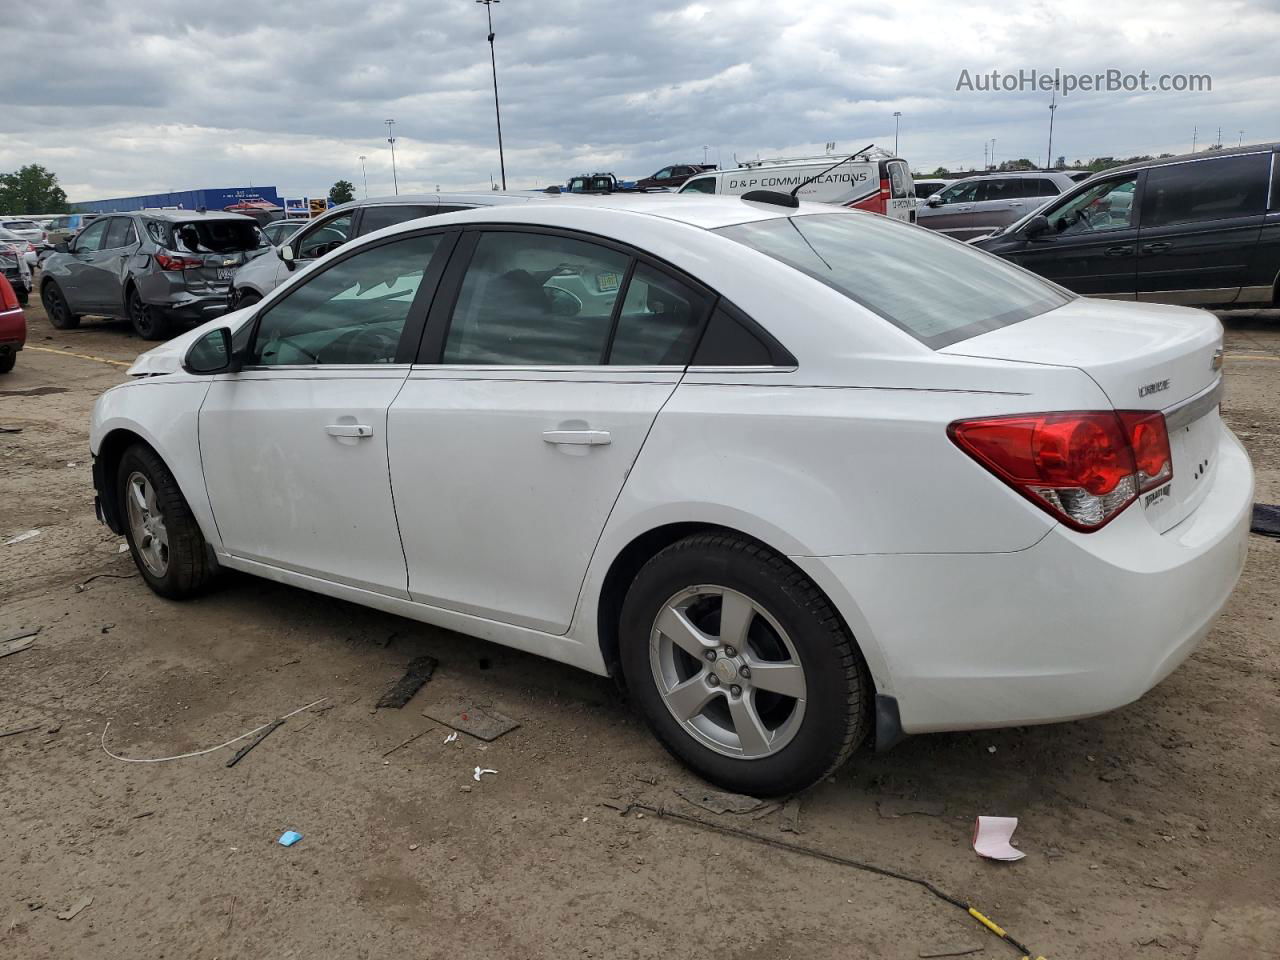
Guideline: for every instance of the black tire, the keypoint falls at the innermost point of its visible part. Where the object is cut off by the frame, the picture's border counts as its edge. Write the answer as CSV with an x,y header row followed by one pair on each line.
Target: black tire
x,y
838,689
148,322
189,566
57,309
7,361
23,295
245,298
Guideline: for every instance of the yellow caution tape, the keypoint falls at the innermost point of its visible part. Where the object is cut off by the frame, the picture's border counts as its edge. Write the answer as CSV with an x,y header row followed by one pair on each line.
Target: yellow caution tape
x,y
81,356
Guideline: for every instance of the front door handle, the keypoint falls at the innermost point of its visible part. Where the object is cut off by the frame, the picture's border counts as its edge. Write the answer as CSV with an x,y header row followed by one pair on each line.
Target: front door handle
x,y
1156,247
590,438
349,430
1121,251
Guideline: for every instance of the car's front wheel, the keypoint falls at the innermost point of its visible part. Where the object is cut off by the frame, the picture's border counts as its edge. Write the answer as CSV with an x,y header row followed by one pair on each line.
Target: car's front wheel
x,y
164,538
8,360
244,298
148,322
56,308
22,294
741,666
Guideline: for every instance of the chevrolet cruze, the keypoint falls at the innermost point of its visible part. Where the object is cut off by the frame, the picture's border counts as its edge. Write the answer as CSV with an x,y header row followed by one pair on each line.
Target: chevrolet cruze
x,y
799,478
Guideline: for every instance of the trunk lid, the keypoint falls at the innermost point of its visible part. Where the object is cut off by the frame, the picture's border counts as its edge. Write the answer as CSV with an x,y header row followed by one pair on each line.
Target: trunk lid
x,y
1144,356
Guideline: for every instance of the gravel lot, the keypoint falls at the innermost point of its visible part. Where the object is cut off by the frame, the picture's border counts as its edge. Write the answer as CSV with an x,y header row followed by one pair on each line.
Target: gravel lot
x,y
1150,832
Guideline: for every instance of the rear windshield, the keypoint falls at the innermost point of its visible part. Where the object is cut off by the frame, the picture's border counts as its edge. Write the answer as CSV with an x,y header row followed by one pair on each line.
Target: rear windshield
x,y
20,225
207,236
936,289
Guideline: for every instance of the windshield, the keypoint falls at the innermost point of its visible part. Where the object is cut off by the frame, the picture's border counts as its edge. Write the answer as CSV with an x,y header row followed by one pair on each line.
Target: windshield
x,y
936,289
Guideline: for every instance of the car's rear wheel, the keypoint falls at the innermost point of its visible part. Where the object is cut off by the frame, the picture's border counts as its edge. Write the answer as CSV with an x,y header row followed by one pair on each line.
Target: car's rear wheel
x,y
741,666
164,538
148,322
7,361
22,294
57,309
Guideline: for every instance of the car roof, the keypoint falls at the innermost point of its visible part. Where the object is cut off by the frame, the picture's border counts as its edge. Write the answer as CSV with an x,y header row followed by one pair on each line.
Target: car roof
x,y
1200,155
485,198
706,211
178,216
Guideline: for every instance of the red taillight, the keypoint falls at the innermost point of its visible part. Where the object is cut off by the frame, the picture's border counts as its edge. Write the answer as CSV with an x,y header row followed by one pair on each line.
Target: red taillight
x,y
1083,468
170,261
1149,438
8,299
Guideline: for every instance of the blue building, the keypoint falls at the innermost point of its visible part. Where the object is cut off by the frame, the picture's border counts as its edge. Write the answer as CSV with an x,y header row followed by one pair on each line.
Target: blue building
x,y
210,198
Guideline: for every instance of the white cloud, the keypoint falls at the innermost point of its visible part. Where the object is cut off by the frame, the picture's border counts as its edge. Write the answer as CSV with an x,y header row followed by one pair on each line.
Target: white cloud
x,y
133,97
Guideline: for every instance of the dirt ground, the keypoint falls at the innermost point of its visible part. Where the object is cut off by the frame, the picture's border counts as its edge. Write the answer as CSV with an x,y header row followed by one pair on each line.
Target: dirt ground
x,y
1150,832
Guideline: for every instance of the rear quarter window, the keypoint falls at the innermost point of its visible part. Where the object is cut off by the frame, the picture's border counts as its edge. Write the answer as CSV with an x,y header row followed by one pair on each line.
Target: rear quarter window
x,y
931,287
1203,190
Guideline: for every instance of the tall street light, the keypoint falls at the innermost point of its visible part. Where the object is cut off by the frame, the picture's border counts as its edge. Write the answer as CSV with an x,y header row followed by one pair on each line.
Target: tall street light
x,y
502,163
897,115
1053,108
391,139
365,171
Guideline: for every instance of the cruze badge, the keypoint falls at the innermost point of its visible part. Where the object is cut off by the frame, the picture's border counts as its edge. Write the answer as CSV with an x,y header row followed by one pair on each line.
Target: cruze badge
x,y
1151,388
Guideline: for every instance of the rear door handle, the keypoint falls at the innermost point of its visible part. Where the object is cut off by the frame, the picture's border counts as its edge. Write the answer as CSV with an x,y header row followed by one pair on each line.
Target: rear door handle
x,y
1122,251
1156,247
349,430
590,438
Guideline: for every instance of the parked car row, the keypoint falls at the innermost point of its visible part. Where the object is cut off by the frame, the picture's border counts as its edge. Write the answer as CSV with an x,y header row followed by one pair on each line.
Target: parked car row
x,y
1202,229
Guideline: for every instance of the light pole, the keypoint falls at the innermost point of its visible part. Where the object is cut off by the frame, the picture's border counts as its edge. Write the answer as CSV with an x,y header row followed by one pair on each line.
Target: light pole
x,y
365,171
993,153
391,139
897,115
1053,107
493,61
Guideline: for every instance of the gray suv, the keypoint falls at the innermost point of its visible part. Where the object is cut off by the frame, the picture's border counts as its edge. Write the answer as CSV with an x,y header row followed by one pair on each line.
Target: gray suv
x,y
345,222
976,206
155,268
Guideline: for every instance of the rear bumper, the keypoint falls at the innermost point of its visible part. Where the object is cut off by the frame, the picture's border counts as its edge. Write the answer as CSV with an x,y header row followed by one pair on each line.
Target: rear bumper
x,y
1076,625
195,309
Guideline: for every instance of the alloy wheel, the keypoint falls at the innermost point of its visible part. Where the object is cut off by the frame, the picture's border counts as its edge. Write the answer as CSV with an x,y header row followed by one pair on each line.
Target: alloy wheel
x,y
146,524
728,672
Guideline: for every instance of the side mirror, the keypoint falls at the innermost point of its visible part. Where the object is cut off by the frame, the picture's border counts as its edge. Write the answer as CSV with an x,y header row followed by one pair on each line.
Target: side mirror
x,y
1037,226
933,202
62,247
211,354
285,253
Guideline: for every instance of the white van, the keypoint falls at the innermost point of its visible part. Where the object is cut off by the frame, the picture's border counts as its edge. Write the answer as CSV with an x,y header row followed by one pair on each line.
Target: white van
x,y
874,181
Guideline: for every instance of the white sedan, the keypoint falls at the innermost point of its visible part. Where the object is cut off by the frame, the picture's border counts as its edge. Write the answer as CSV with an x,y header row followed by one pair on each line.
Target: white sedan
x,y
801,478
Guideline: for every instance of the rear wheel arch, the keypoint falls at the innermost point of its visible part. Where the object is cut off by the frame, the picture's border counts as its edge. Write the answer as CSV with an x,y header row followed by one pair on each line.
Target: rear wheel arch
x,y
631,558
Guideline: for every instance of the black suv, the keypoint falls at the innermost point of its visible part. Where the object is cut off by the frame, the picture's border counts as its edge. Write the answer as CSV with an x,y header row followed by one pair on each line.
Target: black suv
x,y
1202,229
155,268
675,175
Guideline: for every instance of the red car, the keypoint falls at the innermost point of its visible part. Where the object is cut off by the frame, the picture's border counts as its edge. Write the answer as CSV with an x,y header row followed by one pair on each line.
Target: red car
x,y
13,327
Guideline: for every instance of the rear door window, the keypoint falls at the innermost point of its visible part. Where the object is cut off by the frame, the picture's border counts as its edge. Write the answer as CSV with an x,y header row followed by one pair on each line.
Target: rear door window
x,y
375,218
119,233
659,322
899,179
535,299
1203,190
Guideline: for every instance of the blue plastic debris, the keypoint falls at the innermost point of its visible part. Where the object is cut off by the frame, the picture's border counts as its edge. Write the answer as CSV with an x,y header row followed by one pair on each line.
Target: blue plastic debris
x,y
289,838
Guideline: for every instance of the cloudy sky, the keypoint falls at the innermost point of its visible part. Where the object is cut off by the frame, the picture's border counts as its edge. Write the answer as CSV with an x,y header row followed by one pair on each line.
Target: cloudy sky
x,y
121,97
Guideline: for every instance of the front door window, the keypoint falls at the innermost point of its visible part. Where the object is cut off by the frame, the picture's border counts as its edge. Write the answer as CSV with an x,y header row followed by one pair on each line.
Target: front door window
x,y
1103,207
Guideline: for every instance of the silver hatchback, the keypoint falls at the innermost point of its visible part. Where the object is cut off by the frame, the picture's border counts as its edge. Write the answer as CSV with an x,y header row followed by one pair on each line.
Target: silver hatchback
x,y
976,206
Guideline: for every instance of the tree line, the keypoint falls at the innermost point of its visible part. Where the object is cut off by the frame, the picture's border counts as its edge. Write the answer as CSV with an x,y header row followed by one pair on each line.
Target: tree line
x,y
30,190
